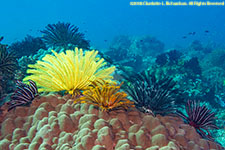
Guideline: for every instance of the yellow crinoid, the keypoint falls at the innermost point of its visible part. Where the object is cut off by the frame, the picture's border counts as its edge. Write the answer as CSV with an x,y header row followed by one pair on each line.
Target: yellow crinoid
x,y
71,71
106,96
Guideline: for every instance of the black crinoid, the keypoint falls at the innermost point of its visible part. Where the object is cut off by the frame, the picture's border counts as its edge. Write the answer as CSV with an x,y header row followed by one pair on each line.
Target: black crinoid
x,y
200,117
8,62
28,46
24,94
153,95
62,34
8,66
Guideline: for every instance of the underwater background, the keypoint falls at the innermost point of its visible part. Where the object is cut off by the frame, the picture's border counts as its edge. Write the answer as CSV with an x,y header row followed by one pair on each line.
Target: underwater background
x,y
156,72
103,20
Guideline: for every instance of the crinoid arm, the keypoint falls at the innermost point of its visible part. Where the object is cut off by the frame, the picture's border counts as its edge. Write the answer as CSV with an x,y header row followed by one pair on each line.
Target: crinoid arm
x,y
106,96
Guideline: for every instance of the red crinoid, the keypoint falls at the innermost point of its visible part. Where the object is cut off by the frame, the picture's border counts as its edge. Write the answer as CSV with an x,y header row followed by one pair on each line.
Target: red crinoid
x,y
200,117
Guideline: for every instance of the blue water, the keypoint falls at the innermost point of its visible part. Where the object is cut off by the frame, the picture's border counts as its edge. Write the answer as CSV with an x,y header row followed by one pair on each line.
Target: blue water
x,y
102,20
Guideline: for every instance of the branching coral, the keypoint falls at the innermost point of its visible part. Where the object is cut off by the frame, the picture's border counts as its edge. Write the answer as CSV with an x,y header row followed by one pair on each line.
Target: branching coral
x,y
106,96
72,71
152,95
200,117
62,34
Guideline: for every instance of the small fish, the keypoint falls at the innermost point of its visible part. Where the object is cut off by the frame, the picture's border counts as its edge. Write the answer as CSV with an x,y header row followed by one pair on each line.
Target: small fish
x,y
141,40
1,38
206,31
191,33
184,37
105,40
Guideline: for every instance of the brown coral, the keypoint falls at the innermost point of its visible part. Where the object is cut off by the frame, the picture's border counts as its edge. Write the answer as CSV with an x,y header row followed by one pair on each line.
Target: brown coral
x,y
52,123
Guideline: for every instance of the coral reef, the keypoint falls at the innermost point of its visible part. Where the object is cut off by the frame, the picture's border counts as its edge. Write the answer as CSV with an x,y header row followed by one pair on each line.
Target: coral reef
x,y
193,65
215,77
186,71
198,72
52,122
197,49
123,57
72,71
62,34
28,46
214,59
150,45
134,51
23,66
171,57
196,45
